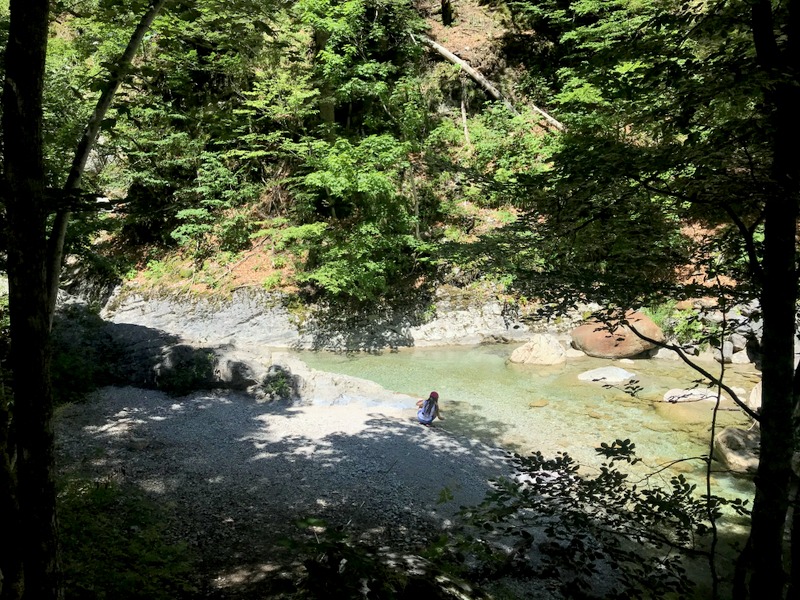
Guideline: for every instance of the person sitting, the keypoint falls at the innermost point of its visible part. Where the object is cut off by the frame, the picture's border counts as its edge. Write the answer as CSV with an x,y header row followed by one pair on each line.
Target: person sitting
x,y
429,409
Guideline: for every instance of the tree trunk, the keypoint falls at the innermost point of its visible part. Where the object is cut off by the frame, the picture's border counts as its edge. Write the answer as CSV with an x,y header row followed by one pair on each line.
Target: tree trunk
x,y
35,531
10,563
464,110
447,13
779,295
85,146
327,101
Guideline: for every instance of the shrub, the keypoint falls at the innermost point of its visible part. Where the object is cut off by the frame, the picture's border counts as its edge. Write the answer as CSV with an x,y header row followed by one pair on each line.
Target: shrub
x,y
586,536
115,546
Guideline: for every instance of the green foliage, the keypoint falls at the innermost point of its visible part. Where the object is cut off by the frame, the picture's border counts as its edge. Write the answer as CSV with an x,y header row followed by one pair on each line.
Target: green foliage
x,y
445,496
278,384
367,241
156,270
683,326
219,189
82,355
581,535
362,264
272,281
115,545
66,108
660,313
362,48
337,566
357,181
5,324
186,369
659,102
689,328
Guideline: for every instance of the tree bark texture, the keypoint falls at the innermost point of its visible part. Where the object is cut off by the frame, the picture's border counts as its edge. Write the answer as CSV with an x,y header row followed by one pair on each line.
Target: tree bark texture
x,y
33,532
781,65
447,13
86,145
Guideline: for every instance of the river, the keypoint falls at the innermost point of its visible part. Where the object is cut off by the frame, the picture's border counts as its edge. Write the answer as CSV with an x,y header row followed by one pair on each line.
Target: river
x,y
525,408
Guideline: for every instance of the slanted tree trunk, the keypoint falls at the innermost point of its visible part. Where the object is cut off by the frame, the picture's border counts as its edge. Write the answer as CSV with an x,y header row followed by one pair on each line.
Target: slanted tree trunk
x,y
85,147
33,530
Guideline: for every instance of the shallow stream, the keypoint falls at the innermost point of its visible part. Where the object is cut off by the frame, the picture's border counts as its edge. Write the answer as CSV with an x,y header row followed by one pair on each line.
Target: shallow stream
x,y
527,408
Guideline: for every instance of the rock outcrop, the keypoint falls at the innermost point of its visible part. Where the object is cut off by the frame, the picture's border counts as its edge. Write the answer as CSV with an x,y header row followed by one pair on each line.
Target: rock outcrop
x,y
601,341
258,318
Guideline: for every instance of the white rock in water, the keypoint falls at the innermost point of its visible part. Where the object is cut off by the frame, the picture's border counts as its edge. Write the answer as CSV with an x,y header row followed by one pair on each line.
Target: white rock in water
x,y
543,349
754,400
607,375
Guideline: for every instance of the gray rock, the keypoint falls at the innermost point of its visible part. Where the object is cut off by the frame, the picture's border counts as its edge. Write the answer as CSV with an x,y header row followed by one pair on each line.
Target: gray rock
x,y
666,354
724,354
606,375
738,341
751,308
543,349
257,318
738,449
740,358
330,389
247,318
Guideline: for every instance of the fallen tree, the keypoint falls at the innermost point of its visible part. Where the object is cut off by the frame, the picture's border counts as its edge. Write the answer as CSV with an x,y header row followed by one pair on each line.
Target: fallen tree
x,y
486,84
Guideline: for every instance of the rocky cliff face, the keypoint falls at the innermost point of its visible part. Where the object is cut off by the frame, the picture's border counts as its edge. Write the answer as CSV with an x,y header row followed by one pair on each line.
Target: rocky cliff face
x,y
257,318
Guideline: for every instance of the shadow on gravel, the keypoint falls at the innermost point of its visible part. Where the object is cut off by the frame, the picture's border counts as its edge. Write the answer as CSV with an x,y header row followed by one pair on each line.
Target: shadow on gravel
x,y
237,476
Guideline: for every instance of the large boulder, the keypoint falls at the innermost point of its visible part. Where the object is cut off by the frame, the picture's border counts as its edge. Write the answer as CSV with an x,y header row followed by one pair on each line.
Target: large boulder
x,y
738,449
596,339
543,349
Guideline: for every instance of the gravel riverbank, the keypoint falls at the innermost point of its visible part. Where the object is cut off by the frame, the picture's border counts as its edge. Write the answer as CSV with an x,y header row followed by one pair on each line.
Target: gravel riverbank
x,y
239,474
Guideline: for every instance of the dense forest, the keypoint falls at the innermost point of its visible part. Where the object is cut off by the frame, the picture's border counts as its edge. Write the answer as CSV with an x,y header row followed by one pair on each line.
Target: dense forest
x,y
360,152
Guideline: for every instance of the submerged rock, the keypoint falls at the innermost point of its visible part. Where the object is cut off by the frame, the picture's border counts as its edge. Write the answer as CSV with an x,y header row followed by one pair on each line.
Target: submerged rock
x,y
738,449
676,395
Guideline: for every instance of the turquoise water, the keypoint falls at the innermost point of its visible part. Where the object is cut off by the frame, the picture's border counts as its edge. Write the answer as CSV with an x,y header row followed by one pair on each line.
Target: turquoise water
x,y
527,408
